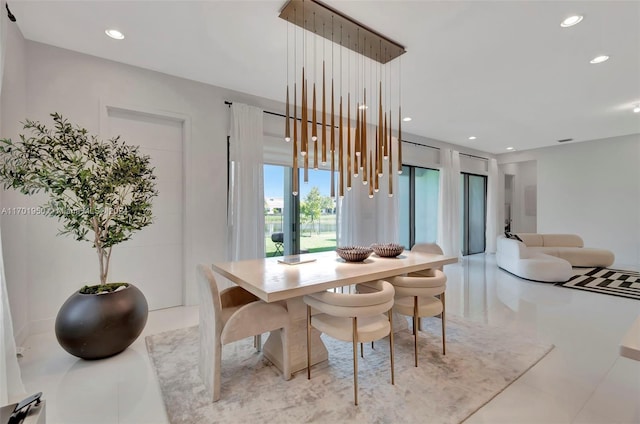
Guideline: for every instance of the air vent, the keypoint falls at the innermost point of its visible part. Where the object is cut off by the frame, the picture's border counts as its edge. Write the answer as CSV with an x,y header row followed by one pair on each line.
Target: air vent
x,y
564,140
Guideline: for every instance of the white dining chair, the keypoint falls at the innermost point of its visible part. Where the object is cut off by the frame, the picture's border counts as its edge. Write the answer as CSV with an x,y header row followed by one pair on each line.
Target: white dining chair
x,y
421,294
230,315
352,317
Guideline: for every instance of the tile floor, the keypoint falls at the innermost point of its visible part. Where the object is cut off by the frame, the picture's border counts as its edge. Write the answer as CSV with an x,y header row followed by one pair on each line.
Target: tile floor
x,y
583,380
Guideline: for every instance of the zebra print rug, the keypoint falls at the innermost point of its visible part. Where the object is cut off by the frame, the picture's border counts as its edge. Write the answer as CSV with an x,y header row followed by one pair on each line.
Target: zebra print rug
x,y
605,280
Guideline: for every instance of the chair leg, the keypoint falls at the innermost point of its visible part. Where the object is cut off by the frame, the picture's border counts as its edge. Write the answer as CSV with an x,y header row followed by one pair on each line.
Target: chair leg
x,y
393,380
257,342
443,324
355,360
217,366
308,342
361,350
415,329
372,345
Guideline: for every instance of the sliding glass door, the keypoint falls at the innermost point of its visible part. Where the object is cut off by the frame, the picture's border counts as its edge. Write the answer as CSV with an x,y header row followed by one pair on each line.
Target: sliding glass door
x,y
298,224
419,189
473,192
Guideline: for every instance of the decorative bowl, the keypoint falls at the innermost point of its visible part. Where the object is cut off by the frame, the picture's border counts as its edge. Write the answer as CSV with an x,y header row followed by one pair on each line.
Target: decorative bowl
x,y
387,250
354,253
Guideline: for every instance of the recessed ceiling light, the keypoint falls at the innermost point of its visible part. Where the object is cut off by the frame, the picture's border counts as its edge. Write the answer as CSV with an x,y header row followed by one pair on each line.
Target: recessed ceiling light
x,y
571,21
510,148
636,109
406,119
599,59
473,137
114,33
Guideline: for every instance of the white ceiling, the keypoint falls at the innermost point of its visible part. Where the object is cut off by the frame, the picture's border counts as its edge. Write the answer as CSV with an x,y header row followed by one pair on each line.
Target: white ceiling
x,y
503,71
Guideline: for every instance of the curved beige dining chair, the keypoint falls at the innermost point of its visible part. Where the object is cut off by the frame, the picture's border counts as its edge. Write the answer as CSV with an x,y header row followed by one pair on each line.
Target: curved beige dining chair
x,y
422,294
352,317
230,315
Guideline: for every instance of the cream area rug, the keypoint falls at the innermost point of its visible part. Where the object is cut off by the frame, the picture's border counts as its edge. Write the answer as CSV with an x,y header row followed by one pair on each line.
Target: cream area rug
x,y
481,361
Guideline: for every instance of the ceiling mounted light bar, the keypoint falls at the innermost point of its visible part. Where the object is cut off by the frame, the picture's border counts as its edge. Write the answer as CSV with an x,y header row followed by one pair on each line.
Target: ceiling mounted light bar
x,y
354,35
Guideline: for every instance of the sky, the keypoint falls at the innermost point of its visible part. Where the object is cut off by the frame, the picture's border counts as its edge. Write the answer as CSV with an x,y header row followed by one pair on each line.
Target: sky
x,y
274,182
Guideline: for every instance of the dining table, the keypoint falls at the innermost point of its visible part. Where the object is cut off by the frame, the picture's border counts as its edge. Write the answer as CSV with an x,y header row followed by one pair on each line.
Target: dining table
x,y
271,280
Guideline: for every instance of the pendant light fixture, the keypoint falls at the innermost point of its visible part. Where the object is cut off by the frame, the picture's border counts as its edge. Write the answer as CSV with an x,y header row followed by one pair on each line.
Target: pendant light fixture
x,y
362,147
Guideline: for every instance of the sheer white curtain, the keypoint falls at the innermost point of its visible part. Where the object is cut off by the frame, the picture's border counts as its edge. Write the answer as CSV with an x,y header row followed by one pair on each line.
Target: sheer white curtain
x,y
449,210
363,221
246,194
10,382
492,206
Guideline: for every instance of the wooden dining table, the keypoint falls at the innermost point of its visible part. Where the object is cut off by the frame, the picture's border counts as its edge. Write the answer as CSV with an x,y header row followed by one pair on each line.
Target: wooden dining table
x,y
273,281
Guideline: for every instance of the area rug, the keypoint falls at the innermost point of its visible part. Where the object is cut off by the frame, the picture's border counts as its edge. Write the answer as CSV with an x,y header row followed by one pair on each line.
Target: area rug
x,y
605,280
481,361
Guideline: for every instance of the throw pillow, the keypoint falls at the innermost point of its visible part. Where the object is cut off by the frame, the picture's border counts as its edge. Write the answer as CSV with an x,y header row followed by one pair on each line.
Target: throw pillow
x,y
512,236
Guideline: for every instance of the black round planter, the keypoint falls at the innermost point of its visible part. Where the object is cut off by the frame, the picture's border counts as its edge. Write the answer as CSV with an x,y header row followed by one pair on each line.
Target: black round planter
x,y
94,326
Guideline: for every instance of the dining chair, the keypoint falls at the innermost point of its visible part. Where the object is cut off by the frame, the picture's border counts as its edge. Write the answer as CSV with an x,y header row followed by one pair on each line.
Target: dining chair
x,y
352,317
421,294
230,315
429,248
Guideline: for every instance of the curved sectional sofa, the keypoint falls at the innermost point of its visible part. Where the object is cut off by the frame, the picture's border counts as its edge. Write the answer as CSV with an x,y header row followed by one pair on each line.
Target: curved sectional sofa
x,y
548,257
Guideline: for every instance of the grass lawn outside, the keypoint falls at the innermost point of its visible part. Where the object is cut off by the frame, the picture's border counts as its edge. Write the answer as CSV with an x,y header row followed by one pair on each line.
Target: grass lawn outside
x,y
312,243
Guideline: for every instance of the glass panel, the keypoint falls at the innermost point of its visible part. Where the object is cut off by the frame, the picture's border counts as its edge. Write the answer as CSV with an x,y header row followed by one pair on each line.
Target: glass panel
x,y
404,200
477,207
274,210
317,213
427,189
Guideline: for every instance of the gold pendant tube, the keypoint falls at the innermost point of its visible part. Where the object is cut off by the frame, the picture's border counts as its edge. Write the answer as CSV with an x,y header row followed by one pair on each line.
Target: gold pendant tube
x,y
390,147
380,133
314,116
294,183
306,168
340,154
348,141
303,117
314,130
357,146
376,177
356,156
306,135
370,178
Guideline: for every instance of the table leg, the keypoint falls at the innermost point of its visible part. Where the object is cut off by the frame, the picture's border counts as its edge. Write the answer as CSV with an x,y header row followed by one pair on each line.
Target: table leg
x,y
297,340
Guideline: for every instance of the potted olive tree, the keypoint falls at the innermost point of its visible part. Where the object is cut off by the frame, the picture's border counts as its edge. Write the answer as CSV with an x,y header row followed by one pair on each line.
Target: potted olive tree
x,y
101,192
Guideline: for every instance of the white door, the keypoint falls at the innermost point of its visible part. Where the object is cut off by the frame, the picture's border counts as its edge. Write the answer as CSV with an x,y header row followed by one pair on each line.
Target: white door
x,y
153,259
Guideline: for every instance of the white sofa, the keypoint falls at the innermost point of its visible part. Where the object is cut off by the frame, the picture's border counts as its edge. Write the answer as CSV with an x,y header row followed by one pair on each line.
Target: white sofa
x,y
548,257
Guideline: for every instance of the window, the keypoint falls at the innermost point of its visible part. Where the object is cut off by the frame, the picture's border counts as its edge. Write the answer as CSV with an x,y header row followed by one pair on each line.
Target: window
x,y
473,193
298,224
419,189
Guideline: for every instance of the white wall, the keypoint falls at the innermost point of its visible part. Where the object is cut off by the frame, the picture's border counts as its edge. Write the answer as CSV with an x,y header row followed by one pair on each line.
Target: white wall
x,y
13,106
591,189
77,86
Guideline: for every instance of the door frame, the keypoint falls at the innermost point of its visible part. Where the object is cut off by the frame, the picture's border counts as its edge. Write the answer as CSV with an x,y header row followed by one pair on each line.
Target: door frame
x,y
189,289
